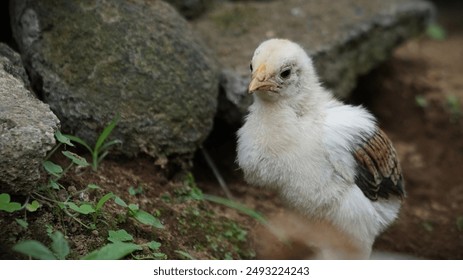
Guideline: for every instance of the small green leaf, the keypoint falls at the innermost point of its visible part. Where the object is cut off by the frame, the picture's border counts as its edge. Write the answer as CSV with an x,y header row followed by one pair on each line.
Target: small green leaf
x,y
82,209
113,251
8,206
86,209
103,200
453,104
120,202
196,193
428,226
59,245
460,223
93,187
33,206
119,236
184,255
421,101
34,249
135,191
134,207
147,219
52,168
159,256
76,159
54,185
63,139
153,245
436,32
4,198
22,223
49,230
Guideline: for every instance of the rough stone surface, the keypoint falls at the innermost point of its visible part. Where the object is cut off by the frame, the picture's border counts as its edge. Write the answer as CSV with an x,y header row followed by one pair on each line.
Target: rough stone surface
x,y
27,128
346,38
91,60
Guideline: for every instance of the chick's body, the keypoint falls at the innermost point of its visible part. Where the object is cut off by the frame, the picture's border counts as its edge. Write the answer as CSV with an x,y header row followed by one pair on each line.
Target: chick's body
x,y
327,160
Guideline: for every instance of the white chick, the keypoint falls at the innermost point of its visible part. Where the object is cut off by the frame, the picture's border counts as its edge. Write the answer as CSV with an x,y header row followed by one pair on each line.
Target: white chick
x,y
328,160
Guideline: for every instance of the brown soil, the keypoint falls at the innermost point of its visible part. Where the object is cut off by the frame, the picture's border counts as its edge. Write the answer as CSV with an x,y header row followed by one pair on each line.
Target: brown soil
x,y
428,140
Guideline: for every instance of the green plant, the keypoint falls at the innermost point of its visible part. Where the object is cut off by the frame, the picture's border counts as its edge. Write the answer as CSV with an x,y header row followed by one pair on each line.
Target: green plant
x,y
428,226
184,255
101,148
135,191
454,107
119,236
55,171
237,206
90,209
421,101
22,223
436,32
58,250
141,216
459,223
122,245
7,205
191,191
113,251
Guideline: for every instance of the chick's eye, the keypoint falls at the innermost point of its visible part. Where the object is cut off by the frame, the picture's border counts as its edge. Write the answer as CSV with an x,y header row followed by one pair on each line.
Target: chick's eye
x,y
285,74
250,66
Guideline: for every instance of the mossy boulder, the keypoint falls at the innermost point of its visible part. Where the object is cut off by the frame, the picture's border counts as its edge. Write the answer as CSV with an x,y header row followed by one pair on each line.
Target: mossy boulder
x,y
92,60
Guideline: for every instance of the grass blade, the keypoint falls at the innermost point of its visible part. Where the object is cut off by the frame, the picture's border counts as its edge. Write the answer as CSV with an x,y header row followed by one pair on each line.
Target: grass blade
x,y
184,255
108,144
235,205
103,200
106,132
80,141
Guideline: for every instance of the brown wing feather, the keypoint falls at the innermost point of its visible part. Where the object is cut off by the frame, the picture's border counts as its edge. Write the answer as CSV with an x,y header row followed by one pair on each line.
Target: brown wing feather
x,y
379,174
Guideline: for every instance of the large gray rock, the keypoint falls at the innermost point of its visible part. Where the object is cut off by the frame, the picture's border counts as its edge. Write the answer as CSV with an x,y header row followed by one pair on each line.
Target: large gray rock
x,y
92,60
27,128
346,38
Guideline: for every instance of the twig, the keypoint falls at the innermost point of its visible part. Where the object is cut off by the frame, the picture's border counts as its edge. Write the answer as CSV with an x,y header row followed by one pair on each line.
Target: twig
x,y
216,172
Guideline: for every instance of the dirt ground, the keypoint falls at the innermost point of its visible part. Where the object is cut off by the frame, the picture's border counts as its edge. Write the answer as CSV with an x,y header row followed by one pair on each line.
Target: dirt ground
x,y
416,96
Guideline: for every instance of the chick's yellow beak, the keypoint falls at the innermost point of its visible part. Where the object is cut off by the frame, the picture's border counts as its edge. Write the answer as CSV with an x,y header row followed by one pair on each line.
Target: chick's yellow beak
x,y
260,81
